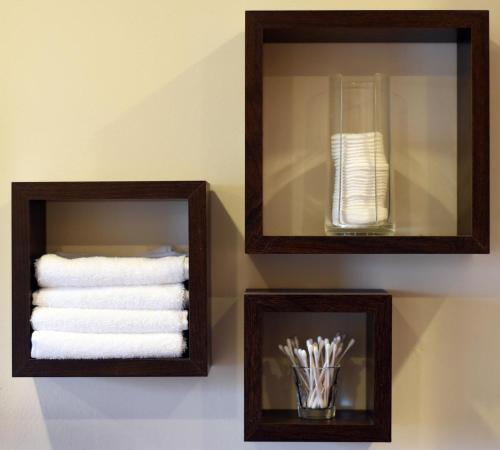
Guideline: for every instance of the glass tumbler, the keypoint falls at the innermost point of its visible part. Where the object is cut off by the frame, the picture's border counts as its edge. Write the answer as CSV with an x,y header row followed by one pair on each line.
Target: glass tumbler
x,y
316,391
360,187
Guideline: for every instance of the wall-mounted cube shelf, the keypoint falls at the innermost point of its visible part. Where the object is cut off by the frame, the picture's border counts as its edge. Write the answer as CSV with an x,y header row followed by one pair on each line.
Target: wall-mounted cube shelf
x,y
29,241
359,425
287,52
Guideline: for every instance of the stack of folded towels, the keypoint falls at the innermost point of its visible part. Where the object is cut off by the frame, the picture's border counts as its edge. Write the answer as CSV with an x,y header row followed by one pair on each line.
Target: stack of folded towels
x,y
361,179
109,307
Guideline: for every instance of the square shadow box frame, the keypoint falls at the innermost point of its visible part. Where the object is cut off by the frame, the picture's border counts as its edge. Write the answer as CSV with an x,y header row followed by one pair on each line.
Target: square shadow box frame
x,y
370,425
29,243
468,30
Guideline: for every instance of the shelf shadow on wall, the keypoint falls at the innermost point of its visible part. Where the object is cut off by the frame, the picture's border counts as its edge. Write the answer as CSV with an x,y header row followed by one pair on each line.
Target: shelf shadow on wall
x,y
226,245
438,353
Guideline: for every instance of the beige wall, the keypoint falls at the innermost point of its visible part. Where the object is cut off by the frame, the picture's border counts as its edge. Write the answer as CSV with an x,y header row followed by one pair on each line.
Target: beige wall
x,y
145,90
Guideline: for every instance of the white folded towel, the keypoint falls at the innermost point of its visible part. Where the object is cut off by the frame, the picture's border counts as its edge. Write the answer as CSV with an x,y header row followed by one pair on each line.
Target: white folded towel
x,y
107,320
167,297
60,345
97,271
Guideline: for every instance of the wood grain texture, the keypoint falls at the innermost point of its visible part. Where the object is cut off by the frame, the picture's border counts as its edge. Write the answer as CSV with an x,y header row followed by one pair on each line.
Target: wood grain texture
x,y
464,140
253,130
283,425
469,29
347,426
29,243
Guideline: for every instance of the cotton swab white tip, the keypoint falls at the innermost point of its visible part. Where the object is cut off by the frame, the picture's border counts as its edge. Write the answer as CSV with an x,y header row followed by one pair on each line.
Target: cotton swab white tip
x,y
348,346
321,353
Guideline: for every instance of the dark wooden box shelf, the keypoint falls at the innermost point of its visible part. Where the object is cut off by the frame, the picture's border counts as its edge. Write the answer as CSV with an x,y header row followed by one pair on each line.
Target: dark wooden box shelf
x,y
29,243
468,30
370,425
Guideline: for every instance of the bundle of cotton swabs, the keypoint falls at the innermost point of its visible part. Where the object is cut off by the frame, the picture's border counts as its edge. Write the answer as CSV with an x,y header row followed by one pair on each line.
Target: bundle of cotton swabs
x,y
320,355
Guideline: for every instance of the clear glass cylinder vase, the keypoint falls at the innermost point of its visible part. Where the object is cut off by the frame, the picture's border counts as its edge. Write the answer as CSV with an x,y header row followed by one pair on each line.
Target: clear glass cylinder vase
x,y
316,391
360,192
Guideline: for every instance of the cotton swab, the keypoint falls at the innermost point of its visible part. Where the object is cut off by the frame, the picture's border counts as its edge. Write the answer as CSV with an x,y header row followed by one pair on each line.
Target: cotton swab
x,y
284,350
321,354
349,345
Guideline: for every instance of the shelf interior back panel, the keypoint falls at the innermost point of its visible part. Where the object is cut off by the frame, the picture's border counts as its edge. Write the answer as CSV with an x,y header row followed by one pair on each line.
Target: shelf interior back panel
x,y
116,228
423,115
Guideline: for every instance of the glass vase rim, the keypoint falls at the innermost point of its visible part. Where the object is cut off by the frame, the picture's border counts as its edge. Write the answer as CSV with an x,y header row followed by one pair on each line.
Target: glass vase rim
x,y
360,81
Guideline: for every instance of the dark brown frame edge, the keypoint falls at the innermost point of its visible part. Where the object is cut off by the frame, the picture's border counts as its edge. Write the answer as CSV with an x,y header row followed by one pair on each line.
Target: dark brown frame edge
x,y
376,302
28,244
469,29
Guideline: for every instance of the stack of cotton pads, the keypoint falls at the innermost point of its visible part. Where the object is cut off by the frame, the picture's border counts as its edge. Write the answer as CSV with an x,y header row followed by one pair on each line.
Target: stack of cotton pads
x,y
361,179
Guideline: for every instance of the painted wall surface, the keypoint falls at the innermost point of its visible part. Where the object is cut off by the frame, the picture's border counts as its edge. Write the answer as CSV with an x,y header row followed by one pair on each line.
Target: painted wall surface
x,y
152,90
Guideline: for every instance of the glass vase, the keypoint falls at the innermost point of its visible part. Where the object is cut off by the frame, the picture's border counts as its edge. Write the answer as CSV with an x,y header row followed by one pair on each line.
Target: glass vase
x,y
316,391
360,191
